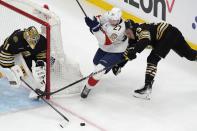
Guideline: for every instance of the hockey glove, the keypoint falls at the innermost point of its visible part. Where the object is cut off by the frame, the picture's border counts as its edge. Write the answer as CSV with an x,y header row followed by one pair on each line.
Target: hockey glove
x,y
117,68
130,53
93,24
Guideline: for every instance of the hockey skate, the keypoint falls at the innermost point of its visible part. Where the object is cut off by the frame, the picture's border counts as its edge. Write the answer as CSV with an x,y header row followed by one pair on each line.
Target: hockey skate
x,y
145,92
85,92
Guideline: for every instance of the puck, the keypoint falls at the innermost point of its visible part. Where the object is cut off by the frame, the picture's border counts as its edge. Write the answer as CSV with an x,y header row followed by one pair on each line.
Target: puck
x,y
82,124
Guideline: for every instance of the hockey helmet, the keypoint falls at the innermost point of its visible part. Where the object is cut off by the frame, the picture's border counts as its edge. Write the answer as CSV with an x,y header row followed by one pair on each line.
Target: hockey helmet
x,y
129,24
115,14
32,36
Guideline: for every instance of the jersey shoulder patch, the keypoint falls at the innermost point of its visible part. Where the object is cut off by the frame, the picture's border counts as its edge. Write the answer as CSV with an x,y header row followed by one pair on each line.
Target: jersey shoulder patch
x,y
15,39
143,33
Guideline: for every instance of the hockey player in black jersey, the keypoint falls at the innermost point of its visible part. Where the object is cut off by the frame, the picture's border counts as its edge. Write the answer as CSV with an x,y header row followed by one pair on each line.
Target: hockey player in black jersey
x,y
32,46
162,37
28,42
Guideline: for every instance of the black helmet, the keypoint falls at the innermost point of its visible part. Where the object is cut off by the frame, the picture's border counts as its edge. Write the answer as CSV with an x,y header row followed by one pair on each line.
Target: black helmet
x,y
129,24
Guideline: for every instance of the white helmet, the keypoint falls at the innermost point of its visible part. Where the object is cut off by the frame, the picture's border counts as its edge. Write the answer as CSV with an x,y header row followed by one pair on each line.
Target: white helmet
x,y
115,14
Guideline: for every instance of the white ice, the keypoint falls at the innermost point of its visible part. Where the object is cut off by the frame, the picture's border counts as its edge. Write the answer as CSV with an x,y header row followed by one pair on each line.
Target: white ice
x,y
111,106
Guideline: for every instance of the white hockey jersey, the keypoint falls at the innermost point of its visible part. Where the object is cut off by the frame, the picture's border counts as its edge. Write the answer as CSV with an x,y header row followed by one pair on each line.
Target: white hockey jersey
x,y
111,38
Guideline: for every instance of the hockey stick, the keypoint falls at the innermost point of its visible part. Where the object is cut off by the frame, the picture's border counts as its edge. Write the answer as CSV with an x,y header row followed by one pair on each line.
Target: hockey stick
x,y
81,8
80,80
65,118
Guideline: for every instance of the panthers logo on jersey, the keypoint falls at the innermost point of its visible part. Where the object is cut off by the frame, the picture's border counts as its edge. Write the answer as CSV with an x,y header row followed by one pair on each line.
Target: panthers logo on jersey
x,y
113,36
15,39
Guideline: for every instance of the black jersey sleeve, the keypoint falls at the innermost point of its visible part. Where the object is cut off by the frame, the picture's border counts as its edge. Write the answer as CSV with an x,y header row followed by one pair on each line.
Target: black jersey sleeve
x,y
141,45
8,49
143,37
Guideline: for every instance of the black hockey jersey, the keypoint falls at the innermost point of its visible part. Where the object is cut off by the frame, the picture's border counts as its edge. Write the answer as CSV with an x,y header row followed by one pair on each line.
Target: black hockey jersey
x,y
149,34
16,44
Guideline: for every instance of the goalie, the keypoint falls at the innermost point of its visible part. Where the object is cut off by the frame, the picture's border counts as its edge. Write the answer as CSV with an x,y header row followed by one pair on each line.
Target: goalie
x,y
32,46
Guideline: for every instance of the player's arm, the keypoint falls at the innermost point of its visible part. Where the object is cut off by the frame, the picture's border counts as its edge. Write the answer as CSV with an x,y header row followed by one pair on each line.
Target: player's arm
x,y
141,45
7,55
9,49
98,32
135,48
143,39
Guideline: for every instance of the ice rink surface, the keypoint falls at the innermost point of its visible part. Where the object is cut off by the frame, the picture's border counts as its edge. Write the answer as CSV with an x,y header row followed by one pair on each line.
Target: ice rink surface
x,y
110,106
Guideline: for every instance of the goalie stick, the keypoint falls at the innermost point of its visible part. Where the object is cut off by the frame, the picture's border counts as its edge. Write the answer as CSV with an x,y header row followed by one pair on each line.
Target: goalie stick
x,y
38,93
80,80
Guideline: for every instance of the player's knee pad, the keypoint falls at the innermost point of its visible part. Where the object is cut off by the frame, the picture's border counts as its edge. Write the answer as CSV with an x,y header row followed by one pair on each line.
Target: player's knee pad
x,y
93,80
153,58
98,68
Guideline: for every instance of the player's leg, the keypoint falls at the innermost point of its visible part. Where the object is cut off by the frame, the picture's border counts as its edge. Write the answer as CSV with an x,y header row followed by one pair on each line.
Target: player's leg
x,y
161,49
151,70
108,60
92,81
98,56
38,71
183,49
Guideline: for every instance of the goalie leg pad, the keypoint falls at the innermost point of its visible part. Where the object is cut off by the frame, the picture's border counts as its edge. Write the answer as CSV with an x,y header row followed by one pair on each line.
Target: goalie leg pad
x,y
39,74
13,75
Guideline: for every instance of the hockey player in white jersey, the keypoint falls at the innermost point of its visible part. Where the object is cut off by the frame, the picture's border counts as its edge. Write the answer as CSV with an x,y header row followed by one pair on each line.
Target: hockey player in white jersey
x,y
109,30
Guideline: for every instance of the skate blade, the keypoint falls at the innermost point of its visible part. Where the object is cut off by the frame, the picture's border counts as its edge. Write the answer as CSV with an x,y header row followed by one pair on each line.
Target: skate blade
x,y
144,97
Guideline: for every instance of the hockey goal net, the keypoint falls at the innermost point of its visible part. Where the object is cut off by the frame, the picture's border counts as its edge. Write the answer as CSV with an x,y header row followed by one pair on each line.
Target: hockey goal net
x,y
20,14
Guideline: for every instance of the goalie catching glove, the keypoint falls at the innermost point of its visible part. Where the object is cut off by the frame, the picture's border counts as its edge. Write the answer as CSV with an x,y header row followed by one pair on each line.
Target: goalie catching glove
x,y
39,74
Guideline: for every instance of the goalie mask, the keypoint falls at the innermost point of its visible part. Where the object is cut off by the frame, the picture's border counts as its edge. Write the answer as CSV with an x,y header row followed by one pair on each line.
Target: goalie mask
x,y
32,36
